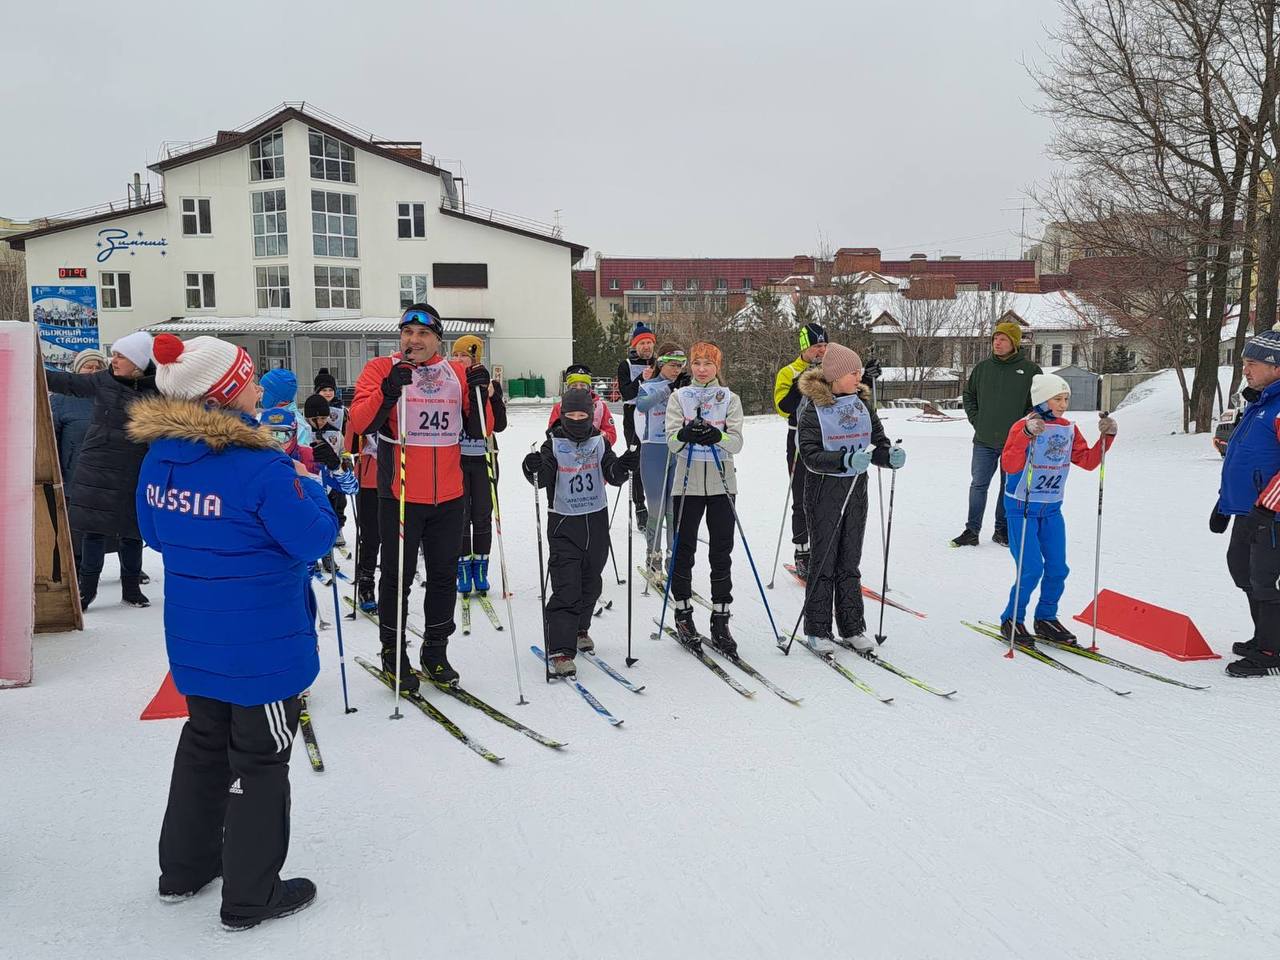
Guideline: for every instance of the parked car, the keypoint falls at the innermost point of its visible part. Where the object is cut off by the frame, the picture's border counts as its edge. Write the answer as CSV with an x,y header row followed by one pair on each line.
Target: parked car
x,y
1223,429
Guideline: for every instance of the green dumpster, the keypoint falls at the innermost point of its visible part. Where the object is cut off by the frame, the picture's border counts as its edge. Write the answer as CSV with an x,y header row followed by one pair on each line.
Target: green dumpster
x,y
537,387
516,387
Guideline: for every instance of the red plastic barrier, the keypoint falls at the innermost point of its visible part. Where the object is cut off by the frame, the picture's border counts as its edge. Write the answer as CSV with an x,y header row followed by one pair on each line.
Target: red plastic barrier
x,y
1150,626
167,704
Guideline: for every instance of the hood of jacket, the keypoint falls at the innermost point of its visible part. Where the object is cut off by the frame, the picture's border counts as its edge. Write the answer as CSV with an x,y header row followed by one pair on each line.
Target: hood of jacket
x,y
193,428
819,391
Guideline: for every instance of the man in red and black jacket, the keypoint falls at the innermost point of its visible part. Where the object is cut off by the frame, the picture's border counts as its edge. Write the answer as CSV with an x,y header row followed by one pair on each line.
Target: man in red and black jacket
x,y
437,396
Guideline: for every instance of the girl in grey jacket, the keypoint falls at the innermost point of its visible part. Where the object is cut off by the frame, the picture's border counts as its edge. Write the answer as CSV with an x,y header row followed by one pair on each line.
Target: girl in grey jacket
x,y
704,431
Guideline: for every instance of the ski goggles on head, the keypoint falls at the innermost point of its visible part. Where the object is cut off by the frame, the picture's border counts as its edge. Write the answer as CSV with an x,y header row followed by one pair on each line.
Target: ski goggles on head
x,y
424,318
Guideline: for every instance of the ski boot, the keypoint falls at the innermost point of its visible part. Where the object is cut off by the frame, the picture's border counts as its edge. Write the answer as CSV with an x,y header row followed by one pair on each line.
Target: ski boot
x,y
561,666
585,643
434,662
860,643
1019,633
1054,630
822,646
88,589
480,574
464,575
642,517
686,632
1245,648
408,680
298,894
1258,663
966,539
131,594
365,596
721,638
802,562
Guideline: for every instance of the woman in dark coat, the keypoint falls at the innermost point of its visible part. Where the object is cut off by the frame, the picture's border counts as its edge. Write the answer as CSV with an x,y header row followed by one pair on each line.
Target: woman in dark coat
x,y
101,493
71,419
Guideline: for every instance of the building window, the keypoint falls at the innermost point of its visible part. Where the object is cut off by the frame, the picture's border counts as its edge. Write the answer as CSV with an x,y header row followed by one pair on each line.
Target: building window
x,y
200,291
413,289
722,284
668,286
461,275
719,303
641,304
333,224
996,286
746,283
665,304
266,157
690,304
339,356
411,221
117,291
331,159
380,348
337,288
273,355
1075,354
615,310
1037,354
1055,355
613,284
270,226
637,285
691,285
196,218
272,285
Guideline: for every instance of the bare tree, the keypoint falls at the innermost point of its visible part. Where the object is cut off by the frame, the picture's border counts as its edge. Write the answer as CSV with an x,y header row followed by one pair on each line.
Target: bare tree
x,y
925,334
13,285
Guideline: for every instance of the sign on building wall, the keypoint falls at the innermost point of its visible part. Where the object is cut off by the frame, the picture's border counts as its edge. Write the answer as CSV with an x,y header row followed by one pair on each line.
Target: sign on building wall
x,y
67,317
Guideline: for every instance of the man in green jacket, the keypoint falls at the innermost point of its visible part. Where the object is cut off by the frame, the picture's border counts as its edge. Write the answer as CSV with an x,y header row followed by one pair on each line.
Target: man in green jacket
x,y
997,393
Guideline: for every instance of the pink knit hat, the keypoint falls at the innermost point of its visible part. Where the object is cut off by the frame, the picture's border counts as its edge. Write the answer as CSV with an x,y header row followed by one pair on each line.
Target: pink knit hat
x,y
838,361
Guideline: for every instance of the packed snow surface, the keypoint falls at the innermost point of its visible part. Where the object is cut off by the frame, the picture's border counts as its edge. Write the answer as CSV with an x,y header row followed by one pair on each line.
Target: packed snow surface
x,y
1032,816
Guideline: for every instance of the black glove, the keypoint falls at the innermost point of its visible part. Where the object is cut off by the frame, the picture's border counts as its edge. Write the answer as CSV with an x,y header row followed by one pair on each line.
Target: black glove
x,y
531,464
682,380
1218,521
871,370
325,454
630,460
689,432
397,378
705,434
478,376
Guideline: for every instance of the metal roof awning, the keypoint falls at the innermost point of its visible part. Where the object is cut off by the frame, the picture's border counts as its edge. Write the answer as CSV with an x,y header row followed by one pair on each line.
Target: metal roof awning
x,y
241,326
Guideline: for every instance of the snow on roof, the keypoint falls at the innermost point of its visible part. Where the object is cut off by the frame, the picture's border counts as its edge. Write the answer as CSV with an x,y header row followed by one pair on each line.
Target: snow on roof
x,y
231,326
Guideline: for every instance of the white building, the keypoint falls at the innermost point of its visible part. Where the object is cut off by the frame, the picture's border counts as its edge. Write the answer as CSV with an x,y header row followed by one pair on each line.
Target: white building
x,y
302,239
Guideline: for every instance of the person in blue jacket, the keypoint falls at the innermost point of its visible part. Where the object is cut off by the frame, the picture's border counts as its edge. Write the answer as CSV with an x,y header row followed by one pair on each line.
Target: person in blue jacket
x,y
1248,498
237,523
280,389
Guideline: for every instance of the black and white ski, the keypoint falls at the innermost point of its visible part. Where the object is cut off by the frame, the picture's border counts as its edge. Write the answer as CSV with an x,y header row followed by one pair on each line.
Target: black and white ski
x,y
309,737
471,700
465,619
487,606
840,668
701,656
611,670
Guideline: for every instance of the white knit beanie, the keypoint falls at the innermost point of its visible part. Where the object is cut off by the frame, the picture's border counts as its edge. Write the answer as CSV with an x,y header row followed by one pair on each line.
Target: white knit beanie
x,y
201,367
136,346
1047,385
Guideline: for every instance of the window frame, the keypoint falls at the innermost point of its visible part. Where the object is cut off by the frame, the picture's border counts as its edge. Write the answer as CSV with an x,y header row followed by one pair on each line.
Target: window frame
x,y
280,213
329,287
262,284
206,283
198,214
342,216
411,219
325,159
615,285
1055,354
691,286
637,284
114,288
266,355
413,288
275,160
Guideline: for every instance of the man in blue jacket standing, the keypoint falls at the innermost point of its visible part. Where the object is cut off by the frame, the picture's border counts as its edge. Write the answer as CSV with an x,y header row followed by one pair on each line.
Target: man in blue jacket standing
x,y
1250,492
237,522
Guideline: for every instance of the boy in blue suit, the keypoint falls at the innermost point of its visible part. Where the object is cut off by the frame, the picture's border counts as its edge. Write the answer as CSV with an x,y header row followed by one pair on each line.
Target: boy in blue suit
x,y
238,523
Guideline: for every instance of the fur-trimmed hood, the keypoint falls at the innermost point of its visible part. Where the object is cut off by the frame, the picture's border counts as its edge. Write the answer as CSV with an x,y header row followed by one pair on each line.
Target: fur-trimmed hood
x,y
819,391
169,418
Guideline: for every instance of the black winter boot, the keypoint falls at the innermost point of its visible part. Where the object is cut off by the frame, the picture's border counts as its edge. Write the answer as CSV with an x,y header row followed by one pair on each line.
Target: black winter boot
x,y
298,895
435,664
966,539
408,680
88,589
132,594
365,596
1256,663
721,638
1054,630
686,632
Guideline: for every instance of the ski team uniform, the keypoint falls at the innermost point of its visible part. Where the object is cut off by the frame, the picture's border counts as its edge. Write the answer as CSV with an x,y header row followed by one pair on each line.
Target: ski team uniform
x,y
438,406
477,508
655,457
237,528
705,492
1040,504
829,426
574,475
601,418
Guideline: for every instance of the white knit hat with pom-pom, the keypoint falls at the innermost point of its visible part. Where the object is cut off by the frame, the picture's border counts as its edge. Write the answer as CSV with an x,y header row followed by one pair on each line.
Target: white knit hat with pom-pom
x,y
202,367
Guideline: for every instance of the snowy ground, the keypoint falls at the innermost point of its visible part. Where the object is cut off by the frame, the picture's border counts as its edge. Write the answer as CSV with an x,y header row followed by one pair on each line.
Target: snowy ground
x,y
1032,816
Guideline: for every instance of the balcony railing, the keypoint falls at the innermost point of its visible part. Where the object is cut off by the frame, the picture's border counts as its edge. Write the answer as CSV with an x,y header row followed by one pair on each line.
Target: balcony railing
x,y
490,215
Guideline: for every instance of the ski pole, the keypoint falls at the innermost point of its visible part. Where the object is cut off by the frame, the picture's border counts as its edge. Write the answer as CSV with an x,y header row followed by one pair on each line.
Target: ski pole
x,y
888,538
542,583
782,524
616,501
884,540
675,542
1022,545
631,661
1097,542
342,654
835,536
612,556
742,534
402,588
355,581
497,526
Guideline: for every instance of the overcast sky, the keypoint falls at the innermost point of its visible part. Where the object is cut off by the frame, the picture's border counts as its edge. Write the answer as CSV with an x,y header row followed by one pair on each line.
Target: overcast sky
x,y
657,128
